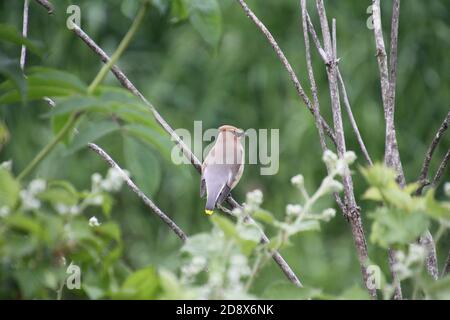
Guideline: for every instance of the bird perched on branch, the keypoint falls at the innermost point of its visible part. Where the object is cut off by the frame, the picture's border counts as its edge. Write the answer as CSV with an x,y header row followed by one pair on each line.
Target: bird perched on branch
x,y
223,167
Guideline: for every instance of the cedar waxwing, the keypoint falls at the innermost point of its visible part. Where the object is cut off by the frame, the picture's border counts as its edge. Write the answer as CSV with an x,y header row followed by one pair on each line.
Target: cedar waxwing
x,y
223,167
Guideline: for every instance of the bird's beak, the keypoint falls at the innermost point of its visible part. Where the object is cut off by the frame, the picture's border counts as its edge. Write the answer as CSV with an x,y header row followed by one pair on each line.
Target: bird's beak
x,y
241,133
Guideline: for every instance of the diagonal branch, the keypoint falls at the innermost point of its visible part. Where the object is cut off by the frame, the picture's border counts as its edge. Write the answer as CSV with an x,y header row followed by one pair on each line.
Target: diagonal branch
x,y
441,169
47,5
286,65
352,118
446,269
423,181
147,201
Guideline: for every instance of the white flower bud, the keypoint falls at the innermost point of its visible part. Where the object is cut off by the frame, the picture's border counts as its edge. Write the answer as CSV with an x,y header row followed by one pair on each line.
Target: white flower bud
x,y
447,189
298,180
93,222
36,186
330,158
328,214
330,185
293,209
255,197
4,211
349,157
6,165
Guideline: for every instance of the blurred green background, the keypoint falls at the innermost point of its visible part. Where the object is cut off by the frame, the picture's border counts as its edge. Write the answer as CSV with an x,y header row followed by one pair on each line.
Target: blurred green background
x,y
223,71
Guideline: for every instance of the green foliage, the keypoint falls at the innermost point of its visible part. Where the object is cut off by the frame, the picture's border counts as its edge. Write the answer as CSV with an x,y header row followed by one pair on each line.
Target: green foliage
x,y
403,218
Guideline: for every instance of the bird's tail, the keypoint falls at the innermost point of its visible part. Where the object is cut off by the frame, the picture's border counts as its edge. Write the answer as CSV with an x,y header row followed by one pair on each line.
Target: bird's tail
x,y
210,205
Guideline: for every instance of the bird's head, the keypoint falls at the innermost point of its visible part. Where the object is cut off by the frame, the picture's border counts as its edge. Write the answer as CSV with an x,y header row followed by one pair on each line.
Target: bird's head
x,y
233,130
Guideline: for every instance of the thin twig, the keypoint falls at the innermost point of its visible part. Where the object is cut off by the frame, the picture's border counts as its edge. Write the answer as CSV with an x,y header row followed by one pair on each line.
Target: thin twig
x,y
446,269
149,203
312,81
47,5
23,51
287,66
393,52
126,83
423,181
441,169
352,119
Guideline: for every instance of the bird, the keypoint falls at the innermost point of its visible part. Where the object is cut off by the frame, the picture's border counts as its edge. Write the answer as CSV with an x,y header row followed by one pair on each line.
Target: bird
x,y
223,167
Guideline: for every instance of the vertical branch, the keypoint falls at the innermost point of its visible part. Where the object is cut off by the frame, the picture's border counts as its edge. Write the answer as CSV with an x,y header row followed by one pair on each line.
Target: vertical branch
x,y
351,209
23,51
391,156
312,81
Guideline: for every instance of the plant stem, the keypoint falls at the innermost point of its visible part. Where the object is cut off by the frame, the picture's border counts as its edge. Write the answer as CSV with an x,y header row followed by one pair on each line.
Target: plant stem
x,y
49,147
121,48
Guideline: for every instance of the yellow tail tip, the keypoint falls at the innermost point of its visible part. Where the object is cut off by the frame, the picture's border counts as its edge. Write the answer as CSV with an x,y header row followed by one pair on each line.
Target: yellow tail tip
x,y
209,212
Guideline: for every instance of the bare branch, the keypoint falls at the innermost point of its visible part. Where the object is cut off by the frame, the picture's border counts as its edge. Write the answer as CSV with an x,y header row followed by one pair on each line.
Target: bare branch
x,y
327,62
149,203
23,52
391,156
352,119
351,209
446,269
126,83
441,169
426,241
393,52
286,64
423,181
312,81
47,5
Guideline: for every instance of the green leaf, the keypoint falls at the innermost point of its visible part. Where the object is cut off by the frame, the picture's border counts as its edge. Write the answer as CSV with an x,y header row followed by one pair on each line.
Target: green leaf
x,y
394,226
264,216
206,18
228,228
379,175
10,34
142,284
373,194
28,225
91,132
9,189
435,209
438,290
110,230
179,10
152,137
142,164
